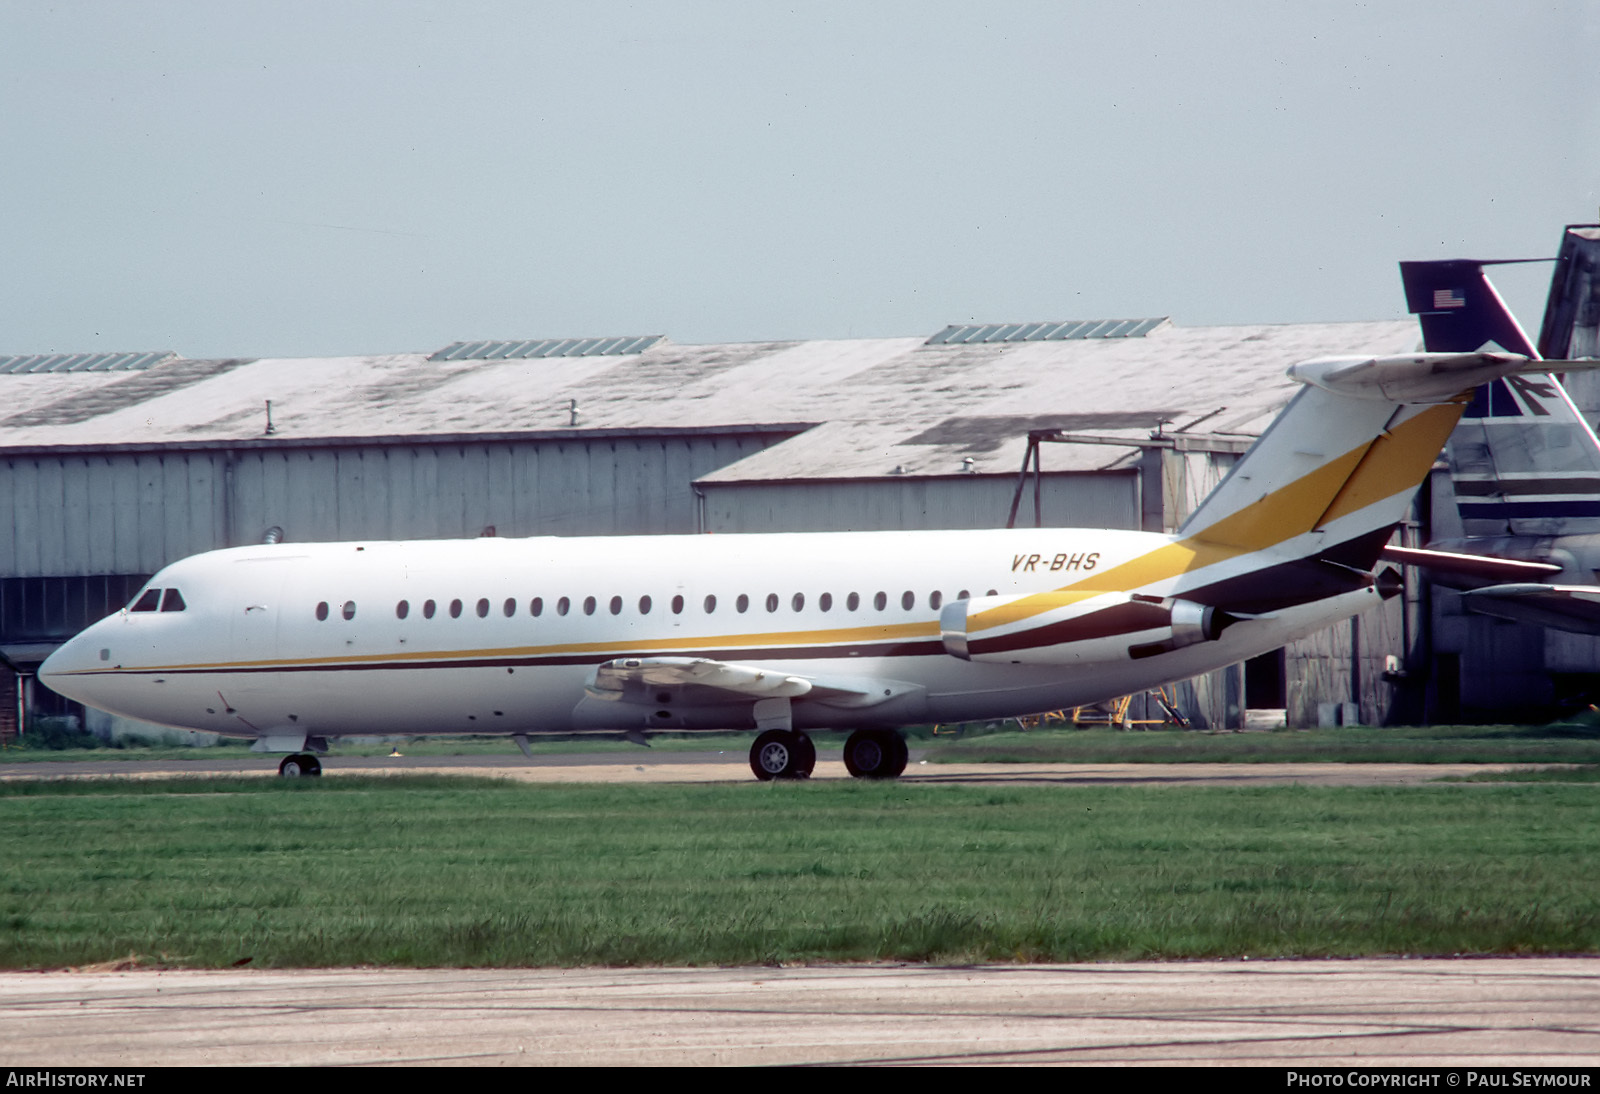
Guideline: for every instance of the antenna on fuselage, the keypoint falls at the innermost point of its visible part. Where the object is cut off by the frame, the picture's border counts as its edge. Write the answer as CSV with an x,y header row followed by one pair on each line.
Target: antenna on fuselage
x,y
272,535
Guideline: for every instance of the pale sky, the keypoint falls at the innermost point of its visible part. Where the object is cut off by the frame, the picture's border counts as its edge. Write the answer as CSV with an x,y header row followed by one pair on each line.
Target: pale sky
x,y
287,178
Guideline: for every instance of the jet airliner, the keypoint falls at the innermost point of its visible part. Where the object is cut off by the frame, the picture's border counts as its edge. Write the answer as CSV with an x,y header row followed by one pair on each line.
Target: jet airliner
x,y
784,634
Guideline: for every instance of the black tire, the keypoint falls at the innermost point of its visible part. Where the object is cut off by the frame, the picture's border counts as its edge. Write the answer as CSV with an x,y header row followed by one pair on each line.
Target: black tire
x,y
805,756
899,755
773,755
302,766
875,754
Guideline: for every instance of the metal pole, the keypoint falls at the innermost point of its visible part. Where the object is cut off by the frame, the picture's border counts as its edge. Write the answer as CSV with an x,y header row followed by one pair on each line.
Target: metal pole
x,y
1022,481
1038,486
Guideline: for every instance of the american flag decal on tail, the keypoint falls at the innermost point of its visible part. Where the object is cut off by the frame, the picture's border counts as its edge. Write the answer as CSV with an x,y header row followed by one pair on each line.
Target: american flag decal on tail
x,y
1449,298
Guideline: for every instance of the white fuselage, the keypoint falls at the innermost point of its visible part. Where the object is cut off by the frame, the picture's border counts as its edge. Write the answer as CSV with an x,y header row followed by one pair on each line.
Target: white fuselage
x,y
339,638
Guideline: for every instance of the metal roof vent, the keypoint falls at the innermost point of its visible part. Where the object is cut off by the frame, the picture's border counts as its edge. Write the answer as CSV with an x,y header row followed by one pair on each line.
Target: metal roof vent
x,y
1071,330
616,346
81,362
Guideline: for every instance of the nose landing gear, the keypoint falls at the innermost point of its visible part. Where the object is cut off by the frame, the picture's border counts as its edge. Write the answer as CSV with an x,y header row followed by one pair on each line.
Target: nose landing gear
x,y
304,765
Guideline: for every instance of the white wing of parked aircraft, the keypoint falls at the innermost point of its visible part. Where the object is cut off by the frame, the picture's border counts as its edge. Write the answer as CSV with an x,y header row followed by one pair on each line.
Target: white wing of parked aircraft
x,y
784,634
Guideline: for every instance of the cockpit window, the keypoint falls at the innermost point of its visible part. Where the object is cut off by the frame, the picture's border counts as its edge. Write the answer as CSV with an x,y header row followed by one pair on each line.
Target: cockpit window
x,y
149,601
172,601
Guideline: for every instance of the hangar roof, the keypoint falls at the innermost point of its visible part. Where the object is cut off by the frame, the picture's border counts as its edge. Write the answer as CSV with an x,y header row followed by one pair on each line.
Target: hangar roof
x,y
882,405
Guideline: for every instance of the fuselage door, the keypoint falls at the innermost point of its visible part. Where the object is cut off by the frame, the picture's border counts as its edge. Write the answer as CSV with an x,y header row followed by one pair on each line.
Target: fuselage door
x,y
255,607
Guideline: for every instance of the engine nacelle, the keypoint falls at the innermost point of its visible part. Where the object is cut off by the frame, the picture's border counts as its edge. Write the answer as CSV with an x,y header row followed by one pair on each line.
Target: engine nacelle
x,y
1073,628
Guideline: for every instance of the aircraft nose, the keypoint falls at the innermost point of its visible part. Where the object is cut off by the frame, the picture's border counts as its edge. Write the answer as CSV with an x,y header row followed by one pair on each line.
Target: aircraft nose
x,y
62,671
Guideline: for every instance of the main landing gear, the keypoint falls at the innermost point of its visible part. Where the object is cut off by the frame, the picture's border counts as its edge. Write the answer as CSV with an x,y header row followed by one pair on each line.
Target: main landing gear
x,y
788,754
782,754
303,766
875,754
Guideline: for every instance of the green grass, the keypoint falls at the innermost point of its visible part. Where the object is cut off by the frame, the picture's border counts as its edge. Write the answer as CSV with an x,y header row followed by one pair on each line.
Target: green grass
x,y
1555,744
1586,773
439,871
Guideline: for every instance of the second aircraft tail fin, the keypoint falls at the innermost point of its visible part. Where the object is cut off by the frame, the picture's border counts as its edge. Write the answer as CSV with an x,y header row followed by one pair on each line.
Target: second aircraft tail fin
x,y
1523,461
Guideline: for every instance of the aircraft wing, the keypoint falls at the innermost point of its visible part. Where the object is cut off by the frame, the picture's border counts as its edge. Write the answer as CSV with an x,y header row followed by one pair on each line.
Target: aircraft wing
x,y
1565,607
733,682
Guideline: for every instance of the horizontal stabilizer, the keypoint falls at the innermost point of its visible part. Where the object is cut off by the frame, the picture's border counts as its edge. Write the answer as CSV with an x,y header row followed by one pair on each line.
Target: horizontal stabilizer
x,y
1480,567
1420,377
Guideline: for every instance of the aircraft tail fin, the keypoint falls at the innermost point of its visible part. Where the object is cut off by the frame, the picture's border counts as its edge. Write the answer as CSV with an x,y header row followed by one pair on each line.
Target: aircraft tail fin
x,y
1523,460
1336,470
1459,308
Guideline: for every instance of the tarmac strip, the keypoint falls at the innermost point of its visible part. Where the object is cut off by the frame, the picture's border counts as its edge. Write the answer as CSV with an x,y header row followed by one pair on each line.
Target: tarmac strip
x,y
1370,1013
713,767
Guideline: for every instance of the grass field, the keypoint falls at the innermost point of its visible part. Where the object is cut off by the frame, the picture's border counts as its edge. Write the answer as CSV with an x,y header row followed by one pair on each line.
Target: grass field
x,y
460,872
1555,744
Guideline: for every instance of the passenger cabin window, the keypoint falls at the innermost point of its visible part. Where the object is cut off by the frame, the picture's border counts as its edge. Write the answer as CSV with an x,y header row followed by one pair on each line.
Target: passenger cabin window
x,y
483,608
510,607
616,605
349,609
322,611
799,602
172,601
402,609
711,604
772,602
644,605
677,605
428,608
563,606
742,604
853,601
455,609
536,607
588,605
935,598
149,601
825,602
880,601
908,600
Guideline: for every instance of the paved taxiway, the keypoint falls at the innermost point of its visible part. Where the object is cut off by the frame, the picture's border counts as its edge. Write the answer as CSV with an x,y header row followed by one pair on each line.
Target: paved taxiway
x,y
697,767
1466,1013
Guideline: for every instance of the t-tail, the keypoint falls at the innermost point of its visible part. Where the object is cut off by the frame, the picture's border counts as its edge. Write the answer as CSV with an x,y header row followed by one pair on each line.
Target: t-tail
x,y
1336,471
1305,513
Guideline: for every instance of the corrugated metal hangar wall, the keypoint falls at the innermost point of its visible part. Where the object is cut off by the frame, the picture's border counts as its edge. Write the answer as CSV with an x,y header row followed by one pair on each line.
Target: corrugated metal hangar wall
x,y
96,512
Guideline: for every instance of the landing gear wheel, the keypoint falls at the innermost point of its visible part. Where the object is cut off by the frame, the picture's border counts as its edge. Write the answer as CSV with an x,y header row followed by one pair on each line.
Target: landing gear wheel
x,y
302,766
782,754
805,756
875,754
